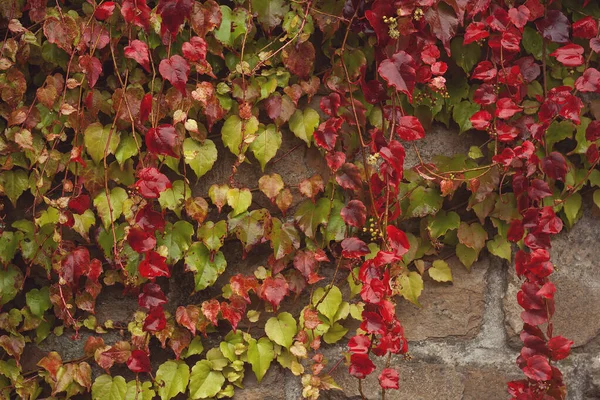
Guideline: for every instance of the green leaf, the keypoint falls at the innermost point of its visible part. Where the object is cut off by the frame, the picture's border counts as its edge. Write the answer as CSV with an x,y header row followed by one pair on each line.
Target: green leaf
x,y
251,227
304,123
334,333
475,153
462,112
38,301
336,226
213,235
9,244
83,222
239,200
195,347
233,25
270,12
424,201
596,197
440,271
204,382
266,144
500,247
172,379
14,183
443,222
411,286
284,238
260,355
96,140
199,156
177,238
473,235
47,217
310,215
281,329
466,255
235,131
206,272
173,198
532,42
330,304
558,131
106,387
465,56
127,148
572,208
117,196
139,391
11,280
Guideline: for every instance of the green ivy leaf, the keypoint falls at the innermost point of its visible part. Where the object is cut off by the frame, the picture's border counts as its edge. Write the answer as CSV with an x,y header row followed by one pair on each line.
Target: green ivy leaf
x,y
83,222
199,156
411,286
424,201
194,348
38,301
440,271
11,279
127,148
270,12
213,235
14,183
596,197
177,238
572,208
500,247
172,379
96,139
281,329
139,391
461,114
9,244
473,235
206,271
304,123
336,226
467,56
443,222
310,215
173,198
233,25
466,255
330,304
235,131
251,227
558,131
204,382
260,355
117,196
284,238
532,42
239,200
334,333
266,144
106,387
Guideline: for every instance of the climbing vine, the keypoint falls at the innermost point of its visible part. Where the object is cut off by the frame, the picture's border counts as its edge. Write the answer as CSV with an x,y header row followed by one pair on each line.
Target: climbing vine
x,y
113,113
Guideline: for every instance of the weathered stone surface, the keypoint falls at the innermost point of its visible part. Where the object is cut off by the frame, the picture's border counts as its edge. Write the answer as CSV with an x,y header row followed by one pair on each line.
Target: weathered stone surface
x,y
114,305
488,383
272,386
449,309
577,280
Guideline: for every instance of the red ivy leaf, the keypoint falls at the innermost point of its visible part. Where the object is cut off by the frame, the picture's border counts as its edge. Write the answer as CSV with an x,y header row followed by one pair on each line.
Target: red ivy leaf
x,y
136,12
155,320
475,32
145,107
354,213
176,70
138,51
139,362
273,290
210,309
519,16
75,264
152,183
388,379
361,365
92,68
173,13
188,317
354,248
141,240
306,262
104,10
233,311
570,55
399,72
409,128
348,177
372,322
299,59
481,120
335,160
397,240
555,27
148,219
586,28
195,49
163,140
154,265
589,81
80,203
359,344
506,108
592,132
555,166
443,22
538,368
560,347
241,285
326,135
151,296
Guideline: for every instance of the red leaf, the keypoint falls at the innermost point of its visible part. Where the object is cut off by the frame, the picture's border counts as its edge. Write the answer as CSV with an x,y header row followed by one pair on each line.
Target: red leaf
x,y
586,28
538,190
330,104
359,344
141,240
394,155
173,13
148,219
155,320
519,16
154,265
92,68
510,40
409,128
484,71
592,153
273,290
80,203
485,95
443,22
555,166
399,72
233,311
481,120
388,379
372,322
397,240
305,262
104,10
595,45
151,296
75,264
570,55
506,108
299,59
138,51
152,183
475,32
538,368
354,248
560,347
163,140
241,285
210,309
373,291
554,27
176,71
592,132
136,12
361,365
335,160
430,54
195,49
326,135
95,270
589,81
354,213
547,290
139,362
515,231
348,177
439,68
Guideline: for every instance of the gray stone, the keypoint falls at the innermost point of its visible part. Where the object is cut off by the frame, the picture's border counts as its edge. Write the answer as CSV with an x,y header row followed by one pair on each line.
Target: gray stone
x,y
448,309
